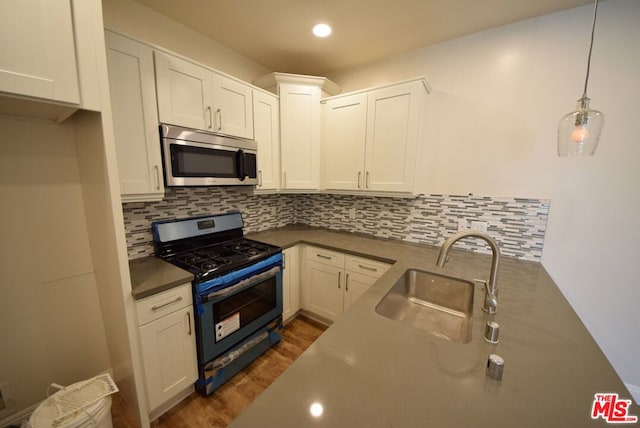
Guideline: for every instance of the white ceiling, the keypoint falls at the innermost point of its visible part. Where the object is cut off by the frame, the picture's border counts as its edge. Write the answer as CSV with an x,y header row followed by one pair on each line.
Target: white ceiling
x,y
277,33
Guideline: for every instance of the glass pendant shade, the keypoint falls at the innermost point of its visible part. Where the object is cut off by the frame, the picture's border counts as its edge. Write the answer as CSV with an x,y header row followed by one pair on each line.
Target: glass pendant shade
x,y
579,131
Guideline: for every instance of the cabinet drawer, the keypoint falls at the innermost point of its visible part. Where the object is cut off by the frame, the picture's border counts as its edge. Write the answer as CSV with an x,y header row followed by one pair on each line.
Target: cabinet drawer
x,y
153,307
327,257
363,266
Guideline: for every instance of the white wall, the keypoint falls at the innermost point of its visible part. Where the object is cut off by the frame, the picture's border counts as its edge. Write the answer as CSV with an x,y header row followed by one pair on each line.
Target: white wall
x,y
142,23
498,96
51,321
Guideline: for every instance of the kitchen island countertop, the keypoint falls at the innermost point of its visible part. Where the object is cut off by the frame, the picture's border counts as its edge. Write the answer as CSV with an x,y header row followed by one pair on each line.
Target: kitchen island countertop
x,y
370,371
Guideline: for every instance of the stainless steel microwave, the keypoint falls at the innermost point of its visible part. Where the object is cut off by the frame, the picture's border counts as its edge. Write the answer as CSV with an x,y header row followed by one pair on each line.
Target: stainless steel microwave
x,y
197,158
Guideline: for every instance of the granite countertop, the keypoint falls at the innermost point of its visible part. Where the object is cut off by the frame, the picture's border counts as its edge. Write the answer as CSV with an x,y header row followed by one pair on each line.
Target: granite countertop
x,y
150,275
370,371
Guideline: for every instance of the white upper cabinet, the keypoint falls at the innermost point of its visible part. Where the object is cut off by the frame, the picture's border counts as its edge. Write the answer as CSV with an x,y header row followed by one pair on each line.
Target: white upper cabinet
x,y
185,94
299,126
393,127
195,97
233,107
50,60
266,122
38,50
300,136
135,118
344,125
370,139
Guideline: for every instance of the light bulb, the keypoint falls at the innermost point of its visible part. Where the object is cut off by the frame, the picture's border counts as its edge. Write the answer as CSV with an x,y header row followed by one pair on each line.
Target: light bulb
x,y
321,30
579,134
316,410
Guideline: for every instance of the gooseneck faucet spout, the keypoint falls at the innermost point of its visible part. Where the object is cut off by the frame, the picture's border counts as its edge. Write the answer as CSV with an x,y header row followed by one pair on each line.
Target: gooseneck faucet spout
x,y
491,296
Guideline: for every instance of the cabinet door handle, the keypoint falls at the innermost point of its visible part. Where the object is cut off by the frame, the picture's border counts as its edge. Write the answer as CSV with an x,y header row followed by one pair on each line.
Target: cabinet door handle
x,y
210,118
157,169
346,283
359,177
259,178
189,322
366,180
176,300
339,278
322,256
368,268
219,113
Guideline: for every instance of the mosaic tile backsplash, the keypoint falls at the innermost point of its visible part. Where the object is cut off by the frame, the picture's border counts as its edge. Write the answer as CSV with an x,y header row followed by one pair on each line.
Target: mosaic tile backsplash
x,y
517,224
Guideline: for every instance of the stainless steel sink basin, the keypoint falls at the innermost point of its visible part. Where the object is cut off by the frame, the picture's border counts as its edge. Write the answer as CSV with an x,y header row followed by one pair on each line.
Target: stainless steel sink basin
x,y
437,304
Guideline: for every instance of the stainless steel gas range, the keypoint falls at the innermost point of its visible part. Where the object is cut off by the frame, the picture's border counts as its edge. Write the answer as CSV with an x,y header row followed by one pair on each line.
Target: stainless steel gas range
x,y
237,291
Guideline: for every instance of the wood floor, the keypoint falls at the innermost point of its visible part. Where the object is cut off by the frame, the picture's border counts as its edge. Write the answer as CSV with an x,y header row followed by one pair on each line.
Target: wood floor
x,y
220,408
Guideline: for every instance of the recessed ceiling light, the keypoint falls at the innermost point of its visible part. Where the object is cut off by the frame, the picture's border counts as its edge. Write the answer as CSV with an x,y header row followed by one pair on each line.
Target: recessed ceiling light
x,y
321,30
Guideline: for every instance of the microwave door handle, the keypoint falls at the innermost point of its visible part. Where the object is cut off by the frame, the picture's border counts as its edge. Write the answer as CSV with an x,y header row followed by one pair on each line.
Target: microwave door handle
x,y
241,165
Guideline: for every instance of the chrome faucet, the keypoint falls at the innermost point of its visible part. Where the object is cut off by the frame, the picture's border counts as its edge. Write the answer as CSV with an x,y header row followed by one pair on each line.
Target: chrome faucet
x,y
491,288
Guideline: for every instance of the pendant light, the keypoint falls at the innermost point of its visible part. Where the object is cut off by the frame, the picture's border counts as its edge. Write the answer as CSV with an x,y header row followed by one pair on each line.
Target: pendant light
x,y
579,131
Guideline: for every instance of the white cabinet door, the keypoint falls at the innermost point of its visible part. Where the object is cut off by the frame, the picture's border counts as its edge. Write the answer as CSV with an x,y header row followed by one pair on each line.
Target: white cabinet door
x,y
135,118
38,56
193,96
343,142
392,137
300,136
291,282
266,119
184,93
323,290
233,107
355,286
168,348
333,281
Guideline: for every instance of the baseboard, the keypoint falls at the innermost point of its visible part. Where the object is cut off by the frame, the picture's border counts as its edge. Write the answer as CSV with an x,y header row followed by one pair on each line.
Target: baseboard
x,y
635,392
18,417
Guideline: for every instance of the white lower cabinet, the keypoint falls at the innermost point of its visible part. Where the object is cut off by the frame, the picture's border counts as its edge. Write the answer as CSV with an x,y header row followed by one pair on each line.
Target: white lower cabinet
x,y
334,280
291,282
167,338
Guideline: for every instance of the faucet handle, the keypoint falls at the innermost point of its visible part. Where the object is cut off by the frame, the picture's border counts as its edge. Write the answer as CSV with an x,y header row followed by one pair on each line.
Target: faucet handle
x,y
490,304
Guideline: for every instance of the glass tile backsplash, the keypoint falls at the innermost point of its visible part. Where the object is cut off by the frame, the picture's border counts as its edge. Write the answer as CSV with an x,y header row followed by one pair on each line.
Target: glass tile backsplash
x,y
517,224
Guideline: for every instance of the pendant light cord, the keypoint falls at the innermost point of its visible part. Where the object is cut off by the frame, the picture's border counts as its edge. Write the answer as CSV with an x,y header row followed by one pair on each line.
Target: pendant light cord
x,y
593,28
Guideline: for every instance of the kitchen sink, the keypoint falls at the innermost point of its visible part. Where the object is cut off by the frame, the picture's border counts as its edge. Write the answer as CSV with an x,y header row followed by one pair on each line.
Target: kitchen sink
x,y
437,304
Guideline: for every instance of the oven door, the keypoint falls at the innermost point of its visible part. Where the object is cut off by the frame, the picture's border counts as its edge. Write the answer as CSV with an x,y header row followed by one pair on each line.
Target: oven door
x,y
231,313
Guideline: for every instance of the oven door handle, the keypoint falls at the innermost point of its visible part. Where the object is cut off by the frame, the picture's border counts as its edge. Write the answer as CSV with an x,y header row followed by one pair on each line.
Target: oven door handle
x,y
243,284
207,287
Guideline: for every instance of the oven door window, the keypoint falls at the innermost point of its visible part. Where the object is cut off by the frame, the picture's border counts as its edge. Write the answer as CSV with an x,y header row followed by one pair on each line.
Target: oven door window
x,y
190,161
240,309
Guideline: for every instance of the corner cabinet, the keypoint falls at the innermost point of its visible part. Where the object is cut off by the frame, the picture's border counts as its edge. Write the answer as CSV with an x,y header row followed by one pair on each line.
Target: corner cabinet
x,y
167,338
193,96
135,118
266,126
371,138
333,281
299,126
